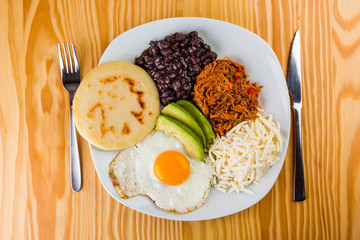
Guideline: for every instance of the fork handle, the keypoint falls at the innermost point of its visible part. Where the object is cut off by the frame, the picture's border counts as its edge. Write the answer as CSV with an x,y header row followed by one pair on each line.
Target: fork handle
x,y
75,168
299,183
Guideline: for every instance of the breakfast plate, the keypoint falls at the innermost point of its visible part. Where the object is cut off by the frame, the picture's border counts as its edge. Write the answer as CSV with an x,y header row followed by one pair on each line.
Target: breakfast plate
x,y
262,66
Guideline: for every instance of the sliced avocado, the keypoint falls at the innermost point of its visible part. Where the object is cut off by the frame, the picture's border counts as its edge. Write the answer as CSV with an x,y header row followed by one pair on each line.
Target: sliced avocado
x,y
184,134
204,124
176,111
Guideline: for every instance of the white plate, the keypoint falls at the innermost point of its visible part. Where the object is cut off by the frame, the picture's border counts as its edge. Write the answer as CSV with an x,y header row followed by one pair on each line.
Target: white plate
x,y
227,40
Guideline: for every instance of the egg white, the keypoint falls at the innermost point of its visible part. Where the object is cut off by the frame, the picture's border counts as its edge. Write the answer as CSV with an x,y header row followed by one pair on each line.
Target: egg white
x,y
137,175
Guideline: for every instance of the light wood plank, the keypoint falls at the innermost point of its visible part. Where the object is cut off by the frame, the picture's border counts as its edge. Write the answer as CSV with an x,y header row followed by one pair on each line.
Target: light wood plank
x,y
36,201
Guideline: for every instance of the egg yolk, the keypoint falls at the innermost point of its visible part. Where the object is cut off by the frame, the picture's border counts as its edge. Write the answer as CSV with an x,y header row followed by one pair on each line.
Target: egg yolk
x,y
172,168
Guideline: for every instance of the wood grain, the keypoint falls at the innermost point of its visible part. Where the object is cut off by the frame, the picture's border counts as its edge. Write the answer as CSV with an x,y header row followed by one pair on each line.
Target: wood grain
x,y
36,201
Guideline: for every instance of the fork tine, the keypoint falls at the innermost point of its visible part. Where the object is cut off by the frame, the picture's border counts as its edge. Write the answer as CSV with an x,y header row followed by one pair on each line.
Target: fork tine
x,y
61,58
75,58
70,57
66,59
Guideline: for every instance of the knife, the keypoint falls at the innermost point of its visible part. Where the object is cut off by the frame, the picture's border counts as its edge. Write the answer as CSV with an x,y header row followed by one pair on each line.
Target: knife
x,y
294,86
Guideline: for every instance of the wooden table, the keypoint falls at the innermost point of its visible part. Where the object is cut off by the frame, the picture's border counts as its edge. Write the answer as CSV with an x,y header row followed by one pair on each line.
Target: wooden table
x,y
36,200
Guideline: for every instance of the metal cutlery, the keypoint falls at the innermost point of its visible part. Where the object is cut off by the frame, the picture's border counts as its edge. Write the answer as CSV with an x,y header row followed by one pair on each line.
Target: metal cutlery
x,y
70,75
294,86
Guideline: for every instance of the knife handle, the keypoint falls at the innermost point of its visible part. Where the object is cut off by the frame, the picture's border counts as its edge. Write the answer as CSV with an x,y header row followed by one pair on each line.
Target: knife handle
x,y
299,183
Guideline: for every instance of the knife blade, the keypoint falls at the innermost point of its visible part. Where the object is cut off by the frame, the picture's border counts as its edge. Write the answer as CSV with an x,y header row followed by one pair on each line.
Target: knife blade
x,y
294,86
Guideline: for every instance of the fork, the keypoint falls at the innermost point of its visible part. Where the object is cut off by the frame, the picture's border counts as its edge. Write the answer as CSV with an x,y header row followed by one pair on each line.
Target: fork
x,y
70,76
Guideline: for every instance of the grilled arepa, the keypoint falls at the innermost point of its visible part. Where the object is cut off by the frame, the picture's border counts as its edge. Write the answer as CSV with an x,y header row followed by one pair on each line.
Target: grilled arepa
x,y
116,105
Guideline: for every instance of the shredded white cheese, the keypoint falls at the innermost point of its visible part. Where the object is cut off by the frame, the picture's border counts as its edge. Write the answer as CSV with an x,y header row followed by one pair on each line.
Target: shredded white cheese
x,y
244,154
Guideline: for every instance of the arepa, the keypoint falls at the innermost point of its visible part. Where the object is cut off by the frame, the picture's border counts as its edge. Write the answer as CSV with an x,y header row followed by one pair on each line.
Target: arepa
x,y
116,105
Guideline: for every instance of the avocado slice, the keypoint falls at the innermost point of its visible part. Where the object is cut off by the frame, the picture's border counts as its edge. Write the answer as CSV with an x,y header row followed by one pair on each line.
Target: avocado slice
x,y
176,111
184,134
204,124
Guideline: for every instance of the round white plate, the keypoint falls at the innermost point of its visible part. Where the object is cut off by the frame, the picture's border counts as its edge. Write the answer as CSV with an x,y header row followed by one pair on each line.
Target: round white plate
x,y
227,40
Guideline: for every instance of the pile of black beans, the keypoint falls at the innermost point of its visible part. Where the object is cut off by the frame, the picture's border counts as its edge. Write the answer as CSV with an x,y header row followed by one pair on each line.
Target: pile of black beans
x,y
174,62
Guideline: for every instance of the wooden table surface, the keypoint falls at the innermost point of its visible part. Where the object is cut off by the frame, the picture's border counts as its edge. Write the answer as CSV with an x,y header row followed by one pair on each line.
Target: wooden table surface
x,y
36,201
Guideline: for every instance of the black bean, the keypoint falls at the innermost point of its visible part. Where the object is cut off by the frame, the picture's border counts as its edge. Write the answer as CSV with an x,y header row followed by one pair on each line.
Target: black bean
x,y
149,60
205,55
206,47
161,66
170,99
186,96
139,61
213,55
166,52
184,42
156,74
207,61
176,65
164,44
176,85
201,52
187,86
179,95
194,40
176,55
158,59
162,80
192,50
151,73
191,73
153,50
194,59
166,93
170,38
147,65
196,69
167,60
172,76
180,36
183,62
193,33
186,78
164,101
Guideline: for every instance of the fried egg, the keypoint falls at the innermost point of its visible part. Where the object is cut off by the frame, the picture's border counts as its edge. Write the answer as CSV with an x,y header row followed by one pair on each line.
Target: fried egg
x,y
159,167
